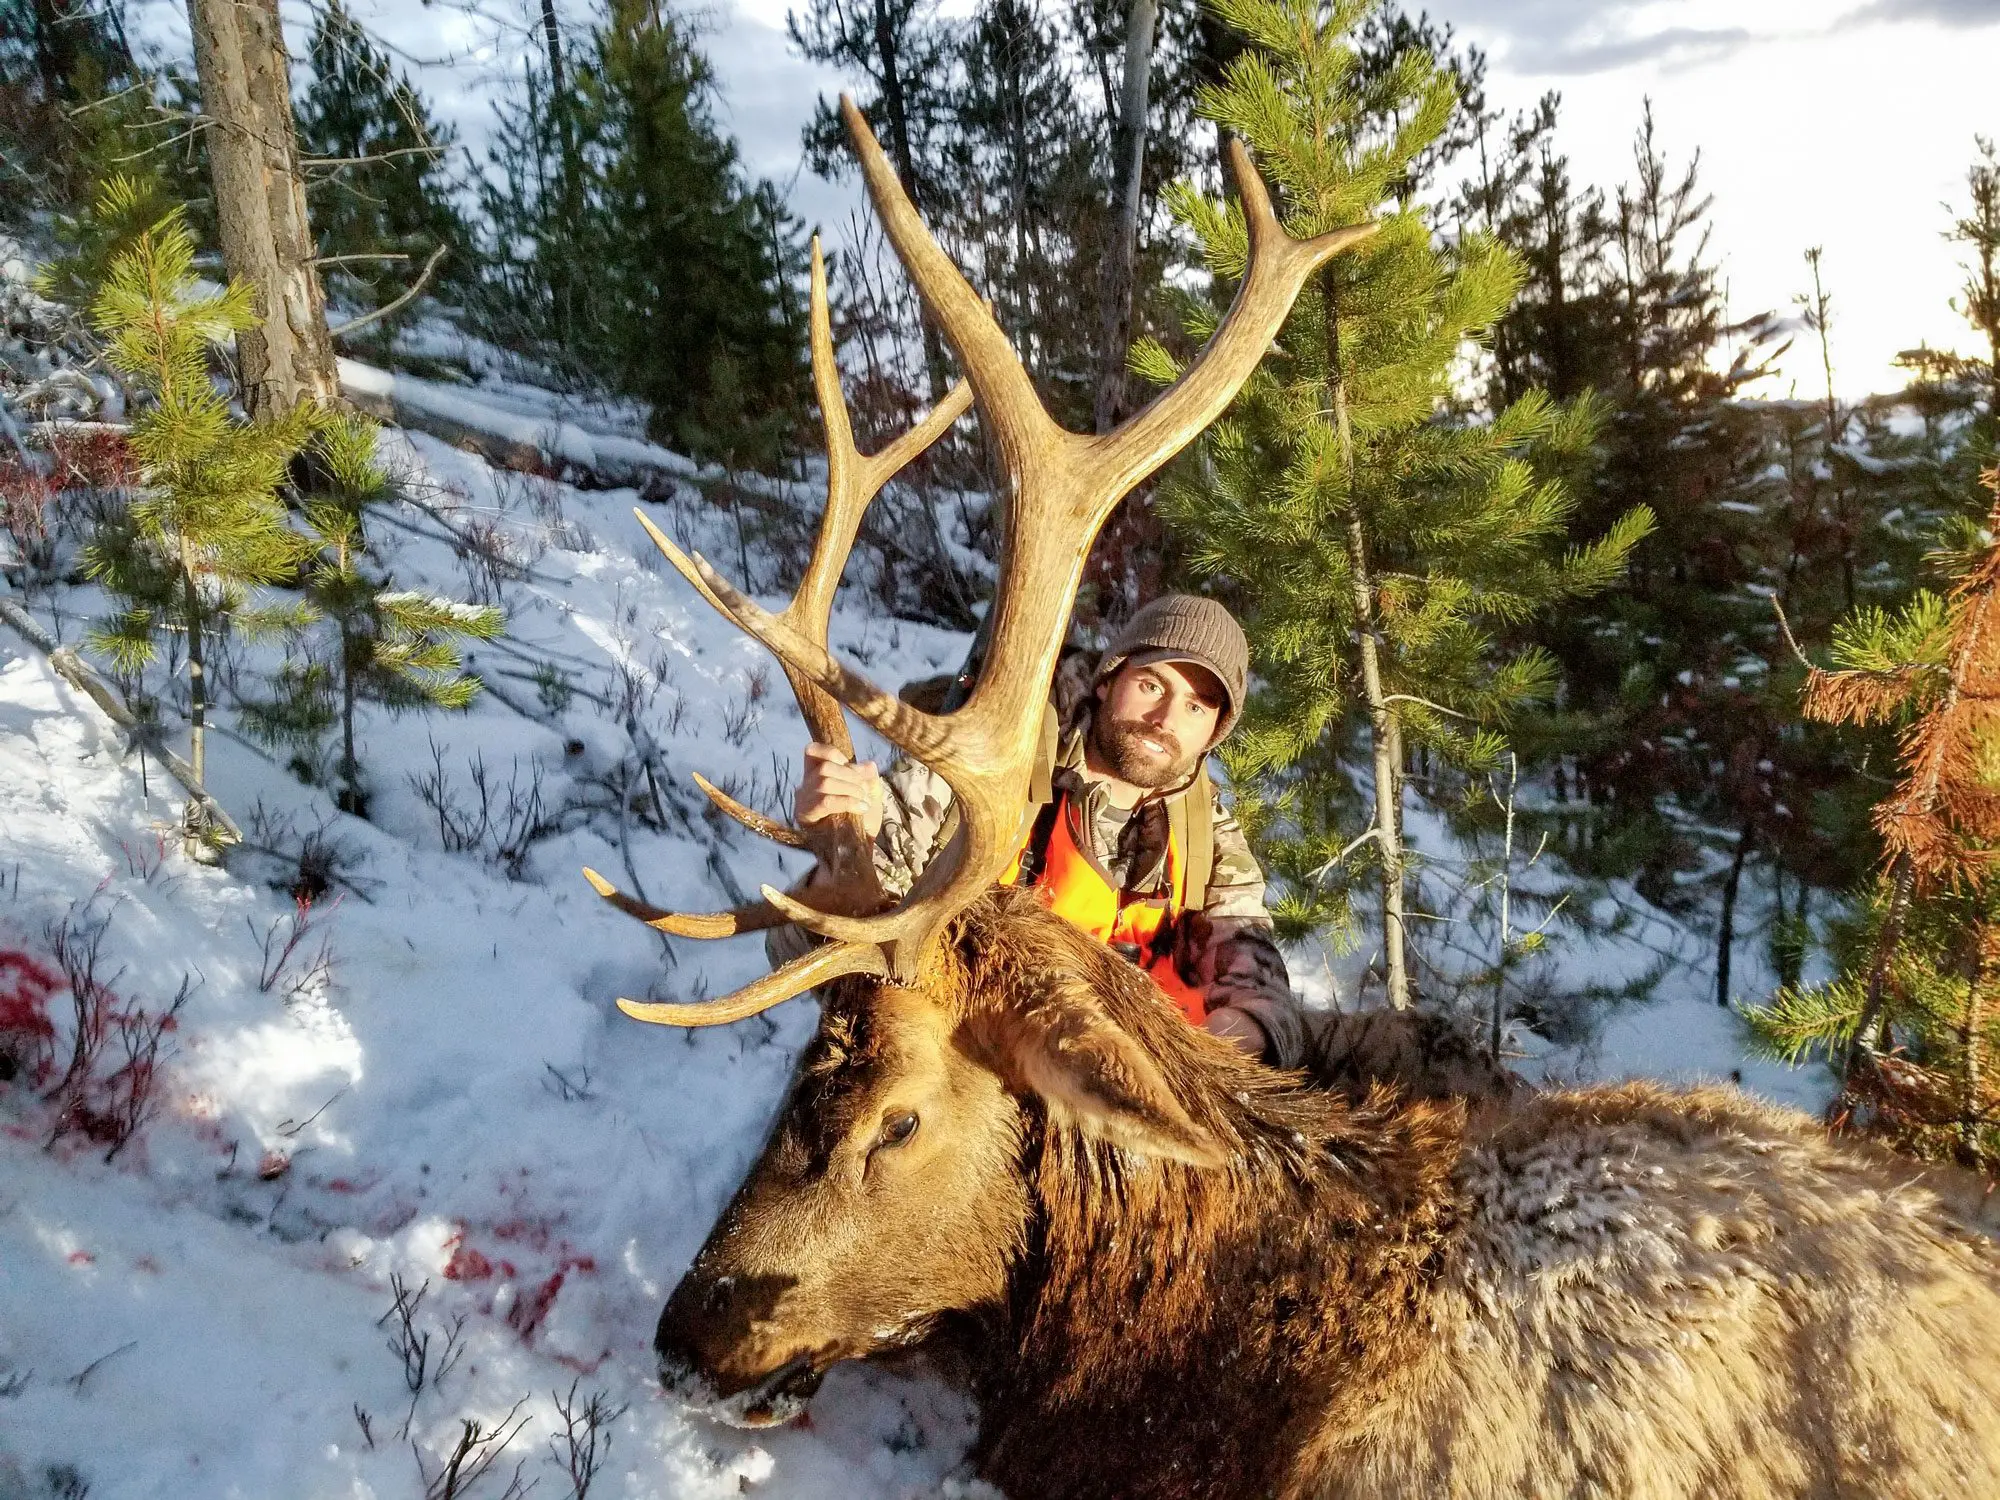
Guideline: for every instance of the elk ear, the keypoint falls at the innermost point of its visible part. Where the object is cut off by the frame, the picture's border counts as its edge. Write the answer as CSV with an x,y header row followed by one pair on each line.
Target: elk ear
x,y
1090,1073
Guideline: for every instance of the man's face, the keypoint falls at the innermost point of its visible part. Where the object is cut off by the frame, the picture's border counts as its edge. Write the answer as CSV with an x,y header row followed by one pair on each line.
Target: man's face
x,y
1153,723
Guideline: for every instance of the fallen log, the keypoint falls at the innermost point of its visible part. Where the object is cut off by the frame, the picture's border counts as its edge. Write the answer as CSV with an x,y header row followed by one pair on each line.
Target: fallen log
x,y
531,444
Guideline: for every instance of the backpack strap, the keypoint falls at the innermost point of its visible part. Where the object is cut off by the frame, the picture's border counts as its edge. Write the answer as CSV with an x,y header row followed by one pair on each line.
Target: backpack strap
x,y
1042,780
1035,857
1191,825
1042,797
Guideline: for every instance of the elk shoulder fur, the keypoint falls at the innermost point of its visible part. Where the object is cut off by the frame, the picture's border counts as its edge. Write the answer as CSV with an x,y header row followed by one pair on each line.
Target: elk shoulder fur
x,y
1629,1291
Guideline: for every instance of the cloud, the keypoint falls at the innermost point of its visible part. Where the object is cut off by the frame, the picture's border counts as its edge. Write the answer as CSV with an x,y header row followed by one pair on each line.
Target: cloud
x,y
1573,37
1678,45
1960,13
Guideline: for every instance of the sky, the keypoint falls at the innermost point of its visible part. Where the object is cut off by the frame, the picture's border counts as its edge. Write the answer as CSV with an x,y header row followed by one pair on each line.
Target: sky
x,y
1843,124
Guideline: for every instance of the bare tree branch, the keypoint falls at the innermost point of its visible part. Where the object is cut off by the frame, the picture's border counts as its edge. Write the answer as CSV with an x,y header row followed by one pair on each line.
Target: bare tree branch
x,y
362,161
386,309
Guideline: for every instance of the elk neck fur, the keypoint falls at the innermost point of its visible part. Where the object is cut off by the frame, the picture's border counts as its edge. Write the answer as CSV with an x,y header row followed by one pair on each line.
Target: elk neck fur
x,y
1630,1291
1201,1323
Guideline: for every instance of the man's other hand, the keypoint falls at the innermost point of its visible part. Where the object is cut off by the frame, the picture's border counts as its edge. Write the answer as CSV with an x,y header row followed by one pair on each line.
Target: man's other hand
x,y
832,784
1238,1027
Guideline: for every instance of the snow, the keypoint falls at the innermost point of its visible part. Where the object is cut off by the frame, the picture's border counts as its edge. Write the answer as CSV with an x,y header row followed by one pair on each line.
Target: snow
x,y
433,1087
1627,990
397,1109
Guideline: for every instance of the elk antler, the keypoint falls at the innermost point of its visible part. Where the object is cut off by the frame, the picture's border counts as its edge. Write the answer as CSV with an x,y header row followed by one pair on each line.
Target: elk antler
x,y
853,479
1062,486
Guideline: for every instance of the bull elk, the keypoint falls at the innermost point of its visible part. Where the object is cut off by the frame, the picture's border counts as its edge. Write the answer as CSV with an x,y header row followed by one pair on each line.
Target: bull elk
x,y
1166,1271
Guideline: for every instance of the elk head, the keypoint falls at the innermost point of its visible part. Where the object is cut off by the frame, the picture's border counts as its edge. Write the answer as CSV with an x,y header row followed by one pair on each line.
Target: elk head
x,y
891,1192
895,1194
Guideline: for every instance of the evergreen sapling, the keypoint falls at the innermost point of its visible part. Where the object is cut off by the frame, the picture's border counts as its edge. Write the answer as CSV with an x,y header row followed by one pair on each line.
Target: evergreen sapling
x,y
206,527
1380,547
1912,1018
386,645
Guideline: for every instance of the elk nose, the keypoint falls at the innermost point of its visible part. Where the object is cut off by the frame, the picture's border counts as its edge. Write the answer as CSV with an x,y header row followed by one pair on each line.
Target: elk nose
x,y
677,1371
694,1307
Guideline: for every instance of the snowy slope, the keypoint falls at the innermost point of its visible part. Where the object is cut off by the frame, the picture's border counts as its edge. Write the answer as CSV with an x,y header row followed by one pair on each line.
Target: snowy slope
x,y
394,1110
434,1088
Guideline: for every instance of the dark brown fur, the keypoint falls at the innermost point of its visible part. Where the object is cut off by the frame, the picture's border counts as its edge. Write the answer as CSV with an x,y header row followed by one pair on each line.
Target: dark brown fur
x,y
1623,1292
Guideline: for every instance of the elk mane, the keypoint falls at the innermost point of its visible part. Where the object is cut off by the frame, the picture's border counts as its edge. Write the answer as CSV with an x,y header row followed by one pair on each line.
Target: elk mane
x,y
1132,1262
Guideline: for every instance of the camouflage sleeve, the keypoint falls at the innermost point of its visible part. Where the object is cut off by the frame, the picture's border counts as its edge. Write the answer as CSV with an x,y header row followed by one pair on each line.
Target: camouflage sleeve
x,y
1235,958
915,800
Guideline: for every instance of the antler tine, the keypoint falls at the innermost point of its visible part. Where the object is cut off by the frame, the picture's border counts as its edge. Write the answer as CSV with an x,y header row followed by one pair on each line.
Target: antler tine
x,y
811,970
749,817
755,917
1278,267
853,480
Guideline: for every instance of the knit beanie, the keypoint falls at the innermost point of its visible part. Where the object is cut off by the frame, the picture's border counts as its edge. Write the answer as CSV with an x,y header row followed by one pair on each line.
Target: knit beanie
x,y
1185,627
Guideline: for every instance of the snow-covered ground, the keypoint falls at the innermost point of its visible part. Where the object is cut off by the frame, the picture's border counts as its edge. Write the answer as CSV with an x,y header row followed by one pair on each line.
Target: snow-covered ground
x,y
432,1089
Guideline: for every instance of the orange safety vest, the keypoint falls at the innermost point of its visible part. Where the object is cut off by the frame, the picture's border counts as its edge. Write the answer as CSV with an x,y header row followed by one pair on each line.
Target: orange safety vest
x,y
1076,890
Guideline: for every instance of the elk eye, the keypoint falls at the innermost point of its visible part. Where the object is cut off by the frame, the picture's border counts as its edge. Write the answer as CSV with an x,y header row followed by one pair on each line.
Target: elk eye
x,y
898,1128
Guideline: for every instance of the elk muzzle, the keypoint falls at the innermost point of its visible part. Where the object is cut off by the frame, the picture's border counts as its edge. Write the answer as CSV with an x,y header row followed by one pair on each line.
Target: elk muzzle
x,y
720,1351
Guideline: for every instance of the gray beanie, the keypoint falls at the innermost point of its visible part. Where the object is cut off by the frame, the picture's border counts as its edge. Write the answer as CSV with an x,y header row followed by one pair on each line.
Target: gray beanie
x,y
1185,627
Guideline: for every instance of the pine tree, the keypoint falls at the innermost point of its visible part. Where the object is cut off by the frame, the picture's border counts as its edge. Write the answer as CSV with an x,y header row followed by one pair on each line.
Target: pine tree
x,y
1681,751
627,248
89,241
71,97
1555,336
700,265
207,525
387,646
535,291
1029,212
1912,1018
907,55
381,186
1381,548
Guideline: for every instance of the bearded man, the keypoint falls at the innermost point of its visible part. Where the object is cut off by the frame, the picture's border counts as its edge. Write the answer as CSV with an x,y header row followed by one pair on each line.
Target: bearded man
x,y
1131,841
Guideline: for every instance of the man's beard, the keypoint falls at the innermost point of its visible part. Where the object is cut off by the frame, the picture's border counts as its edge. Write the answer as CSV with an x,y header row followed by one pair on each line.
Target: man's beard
x,y
1121,745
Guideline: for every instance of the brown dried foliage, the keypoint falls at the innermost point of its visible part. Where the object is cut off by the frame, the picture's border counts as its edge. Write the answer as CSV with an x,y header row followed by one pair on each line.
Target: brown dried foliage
x,y
1942,822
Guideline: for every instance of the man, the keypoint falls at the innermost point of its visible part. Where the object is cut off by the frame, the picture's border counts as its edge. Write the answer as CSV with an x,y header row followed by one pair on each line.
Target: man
x,y
1132,842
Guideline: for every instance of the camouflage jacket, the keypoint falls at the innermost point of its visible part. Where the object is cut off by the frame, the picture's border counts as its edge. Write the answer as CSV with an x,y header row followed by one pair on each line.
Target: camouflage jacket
x,y
1226,947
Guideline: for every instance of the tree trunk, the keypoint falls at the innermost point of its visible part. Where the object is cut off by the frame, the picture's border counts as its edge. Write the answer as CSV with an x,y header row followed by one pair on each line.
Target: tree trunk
x,y
1726,942
1972,1041
260,202
55,29
1120,261
552,37
197,672
564,115
1384,732
350,763
1789,945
